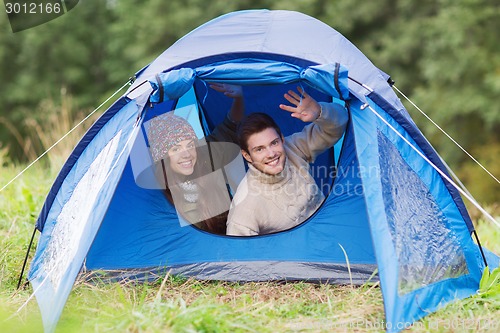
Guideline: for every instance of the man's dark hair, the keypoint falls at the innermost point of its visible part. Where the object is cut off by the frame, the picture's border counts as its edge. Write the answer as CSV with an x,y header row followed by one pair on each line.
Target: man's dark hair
x,y
254,123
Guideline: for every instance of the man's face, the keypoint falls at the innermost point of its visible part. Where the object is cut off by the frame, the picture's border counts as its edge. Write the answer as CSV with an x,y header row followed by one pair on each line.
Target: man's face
x,y
266,151
183,157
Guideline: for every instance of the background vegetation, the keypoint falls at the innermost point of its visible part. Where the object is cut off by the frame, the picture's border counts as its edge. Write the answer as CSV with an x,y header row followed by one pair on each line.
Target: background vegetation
x,y
444,54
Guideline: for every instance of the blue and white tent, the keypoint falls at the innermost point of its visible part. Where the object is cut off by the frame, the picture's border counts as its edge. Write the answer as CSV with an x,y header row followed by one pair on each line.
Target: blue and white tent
x,y
390,210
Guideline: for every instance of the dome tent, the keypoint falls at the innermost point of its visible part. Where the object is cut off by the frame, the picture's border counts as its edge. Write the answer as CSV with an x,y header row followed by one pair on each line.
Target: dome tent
x,y
387,209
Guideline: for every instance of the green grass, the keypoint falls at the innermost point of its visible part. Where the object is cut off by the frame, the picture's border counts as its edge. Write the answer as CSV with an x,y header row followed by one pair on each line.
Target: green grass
x,y
174,304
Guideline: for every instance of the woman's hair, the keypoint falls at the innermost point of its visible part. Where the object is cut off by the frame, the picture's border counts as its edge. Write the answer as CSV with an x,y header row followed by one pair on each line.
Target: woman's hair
x,y
254,123
164,132
213,224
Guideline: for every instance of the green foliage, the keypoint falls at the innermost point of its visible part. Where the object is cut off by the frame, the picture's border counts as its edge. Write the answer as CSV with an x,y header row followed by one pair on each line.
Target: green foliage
x,y
444,55
490,282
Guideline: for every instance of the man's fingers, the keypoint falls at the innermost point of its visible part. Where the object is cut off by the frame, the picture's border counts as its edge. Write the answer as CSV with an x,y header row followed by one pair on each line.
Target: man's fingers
x,y
288,108
294,95
291,99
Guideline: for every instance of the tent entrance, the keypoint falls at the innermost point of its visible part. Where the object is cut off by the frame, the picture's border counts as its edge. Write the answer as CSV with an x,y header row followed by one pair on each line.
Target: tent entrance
x,y
150,235
204,109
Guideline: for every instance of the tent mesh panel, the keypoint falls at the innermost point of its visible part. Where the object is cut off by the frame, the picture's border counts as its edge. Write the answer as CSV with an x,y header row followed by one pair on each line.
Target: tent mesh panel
x,y
428,250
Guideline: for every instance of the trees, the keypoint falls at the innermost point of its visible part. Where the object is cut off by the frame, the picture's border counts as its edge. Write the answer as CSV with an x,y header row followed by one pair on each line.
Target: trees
x,y
65,56
445,55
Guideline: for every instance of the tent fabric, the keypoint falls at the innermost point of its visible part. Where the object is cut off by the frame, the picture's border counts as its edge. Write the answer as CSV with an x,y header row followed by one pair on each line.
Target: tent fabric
x,y
414,236
162,240
425,147
272,32
176,83
73,158
76,213
428,216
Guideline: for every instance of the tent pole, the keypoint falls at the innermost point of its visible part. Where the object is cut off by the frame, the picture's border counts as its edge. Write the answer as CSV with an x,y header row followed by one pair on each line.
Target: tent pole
x,y
26,258
480,247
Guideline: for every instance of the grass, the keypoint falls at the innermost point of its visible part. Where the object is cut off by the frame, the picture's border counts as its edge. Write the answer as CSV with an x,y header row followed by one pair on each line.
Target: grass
x,y
179,305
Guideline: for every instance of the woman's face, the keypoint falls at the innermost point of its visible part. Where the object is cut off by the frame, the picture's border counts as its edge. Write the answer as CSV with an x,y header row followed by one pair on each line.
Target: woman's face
x,y
183,157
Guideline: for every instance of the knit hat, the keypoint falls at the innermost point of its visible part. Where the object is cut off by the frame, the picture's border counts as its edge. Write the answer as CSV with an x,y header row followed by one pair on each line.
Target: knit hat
x,y
165,131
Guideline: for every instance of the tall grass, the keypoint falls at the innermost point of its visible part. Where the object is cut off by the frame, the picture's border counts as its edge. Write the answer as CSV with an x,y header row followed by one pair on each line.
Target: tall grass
x,y
21,201
53,120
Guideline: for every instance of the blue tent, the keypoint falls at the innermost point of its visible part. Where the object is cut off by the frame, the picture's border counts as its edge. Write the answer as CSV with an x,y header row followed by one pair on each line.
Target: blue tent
x,y
390,211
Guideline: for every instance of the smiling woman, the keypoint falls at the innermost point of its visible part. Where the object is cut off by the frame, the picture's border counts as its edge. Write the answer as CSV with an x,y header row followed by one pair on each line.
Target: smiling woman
x,y
185,166
189,163
183,157
173,137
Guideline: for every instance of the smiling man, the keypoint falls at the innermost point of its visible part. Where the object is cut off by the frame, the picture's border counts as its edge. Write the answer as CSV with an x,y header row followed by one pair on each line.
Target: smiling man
x,y
189,169
278,192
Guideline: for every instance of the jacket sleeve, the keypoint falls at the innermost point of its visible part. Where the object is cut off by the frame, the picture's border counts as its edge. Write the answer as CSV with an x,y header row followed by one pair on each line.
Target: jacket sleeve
x,y
222,143
320,135
242,220
235,229
224,132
